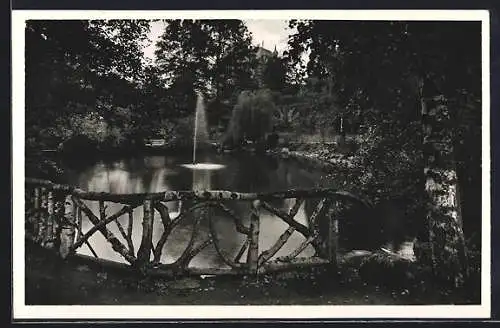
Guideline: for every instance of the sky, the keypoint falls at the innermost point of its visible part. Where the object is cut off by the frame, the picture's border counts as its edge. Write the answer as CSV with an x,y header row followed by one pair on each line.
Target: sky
x,y
269,32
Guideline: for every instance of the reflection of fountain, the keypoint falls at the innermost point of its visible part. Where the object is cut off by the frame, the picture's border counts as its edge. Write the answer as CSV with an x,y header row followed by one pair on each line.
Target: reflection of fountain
x,y
115,178
201,179
200,137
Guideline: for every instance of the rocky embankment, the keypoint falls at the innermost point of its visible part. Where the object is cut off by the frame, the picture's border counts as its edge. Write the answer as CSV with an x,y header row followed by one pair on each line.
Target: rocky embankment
x,y
321,158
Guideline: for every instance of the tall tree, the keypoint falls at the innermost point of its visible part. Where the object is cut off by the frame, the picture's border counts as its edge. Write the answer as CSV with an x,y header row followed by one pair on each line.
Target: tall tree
x,y
396,71
274,75
154,101
74,66
211,56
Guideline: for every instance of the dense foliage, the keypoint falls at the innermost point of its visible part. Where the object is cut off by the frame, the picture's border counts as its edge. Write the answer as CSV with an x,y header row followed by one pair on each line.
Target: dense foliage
x,y
214,57
380,82
373,70
274,74
400,81
251,118
82,71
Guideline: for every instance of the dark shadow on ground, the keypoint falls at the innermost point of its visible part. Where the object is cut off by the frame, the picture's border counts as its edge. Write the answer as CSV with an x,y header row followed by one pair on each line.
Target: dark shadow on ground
x,y
52,281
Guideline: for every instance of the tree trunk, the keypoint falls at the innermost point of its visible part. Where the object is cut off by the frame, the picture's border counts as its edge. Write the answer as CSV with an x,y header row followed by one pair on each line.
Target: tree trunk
x,y
468,158
445,246
144,252
253,248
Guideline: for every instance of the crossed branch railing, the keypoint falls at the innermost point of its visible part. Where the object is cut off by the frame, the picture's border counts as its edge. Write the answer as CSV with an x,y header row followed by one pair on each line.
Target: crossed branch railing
x,y
54,216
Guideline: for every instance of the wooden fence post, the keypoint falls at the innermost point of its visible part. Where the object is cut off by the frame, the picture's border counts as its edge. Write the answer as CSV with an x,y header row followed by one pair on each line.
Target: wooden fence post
x,y
253,249
33,220
144,252
67,227
49,220
333,229
41,224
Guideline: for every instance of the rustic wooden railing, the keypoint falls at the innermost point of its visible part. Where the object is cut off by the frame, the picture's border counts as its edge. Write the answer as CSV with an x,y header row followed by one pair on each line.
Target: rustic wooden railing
x,y
54,215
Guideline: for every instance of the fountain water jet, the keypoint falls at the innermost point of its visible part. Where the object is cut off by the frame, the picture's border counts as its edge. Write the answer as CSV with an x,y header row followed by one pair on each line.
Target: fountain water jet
x,y
200,125
200,137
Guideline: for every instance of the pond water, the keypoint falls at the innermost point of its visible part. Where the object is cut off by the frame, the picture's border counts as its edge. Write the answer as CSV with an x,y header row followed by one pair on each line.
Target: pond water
x,y
157,173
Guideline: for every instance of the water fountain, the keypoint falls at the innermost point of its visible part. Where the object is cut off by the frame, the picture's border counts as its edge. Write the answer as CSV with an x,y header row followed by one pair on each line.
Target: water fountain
x,y
200,137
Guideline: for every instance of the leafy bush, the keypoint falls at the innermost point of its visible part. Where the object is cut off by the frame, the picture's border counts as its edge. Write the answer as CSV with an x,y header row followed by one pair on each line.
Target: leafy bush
x,y
78,144
119,127
167,131
251,117
89,128
309,112
91,125
178,132
390,271
79,131
394,157
43,167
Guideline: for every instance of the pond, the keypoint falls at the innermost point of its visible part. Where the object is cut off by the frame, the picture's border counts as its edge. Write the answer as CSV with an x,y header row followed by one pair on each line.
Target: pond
x,y
157,173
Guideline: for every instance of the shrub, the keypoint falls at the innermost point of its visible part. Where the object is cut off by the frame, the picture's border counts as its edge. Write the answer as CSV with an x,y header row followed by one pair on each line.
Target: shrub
x,y
91,125
251,117
177,132
81,144
167,131
44,168
88,128
306,112
390,271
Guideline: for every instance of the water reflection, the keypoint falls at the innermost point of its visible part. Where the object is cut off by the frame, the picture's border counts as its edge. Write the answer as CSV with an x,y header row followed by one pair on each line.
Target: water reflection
x,y
244,173
162,173
201,179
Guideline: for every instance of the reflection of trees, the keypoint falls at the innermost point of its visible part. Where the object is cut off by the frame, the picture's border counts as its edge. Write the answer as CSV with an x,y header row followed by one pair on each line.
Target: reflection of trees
x,y
119,179
247,174
156,162
243,173
152,174
292,175
158,182
111,177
